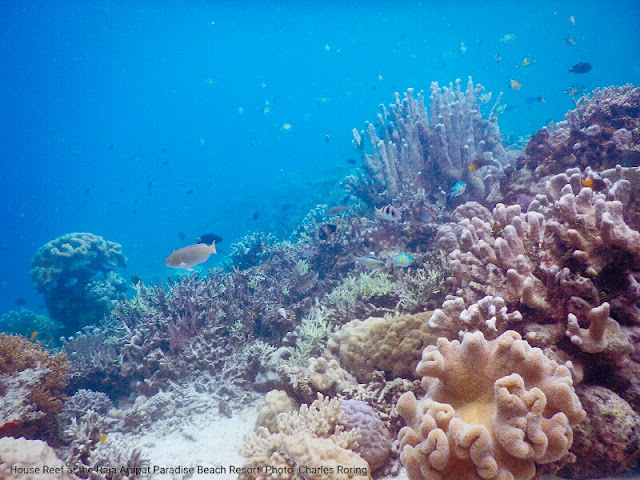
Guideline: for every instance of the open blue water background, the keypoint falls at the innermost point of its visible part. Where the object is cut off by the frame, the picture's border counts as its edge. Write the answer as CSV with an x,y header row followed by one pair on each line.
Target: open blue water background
x,y
140,120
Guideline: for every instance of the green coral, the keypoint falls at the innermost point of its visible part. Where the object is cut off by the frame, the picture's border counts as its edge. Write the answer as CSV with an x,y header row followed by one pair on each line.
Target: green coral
x,y
315,330
361,288
421,288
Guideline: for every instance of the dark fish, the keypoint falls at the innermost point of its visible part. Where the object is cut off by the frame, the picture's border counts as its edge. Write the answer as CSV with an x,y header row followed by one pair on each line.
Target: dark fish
x,y
255,215
111,147
190,192
165,163
351,161
582,67
20,301
285,206
181,236
135,279
326,230
209,238
306,283
327,138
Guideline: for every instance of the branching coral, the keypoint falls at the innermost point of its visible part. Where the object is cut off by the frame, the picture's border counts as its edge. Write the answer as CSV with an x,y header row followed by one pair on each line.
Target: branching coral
x,y
493,410
32,384
314,438
409,147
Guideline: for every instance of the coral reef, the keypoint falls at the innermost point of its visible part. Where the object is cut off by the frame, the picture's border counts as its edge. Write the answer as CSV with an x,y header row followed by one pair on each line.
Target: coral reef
x,y
389,344
76,273
607,442
601,132
28,455
32,385
315,438
411,148
493,409
25,322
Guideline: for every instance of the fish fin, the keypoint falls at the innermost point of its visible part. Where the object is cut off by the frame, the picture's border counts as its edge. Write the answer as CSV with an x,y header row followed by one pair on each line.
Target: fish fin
x,y
213,248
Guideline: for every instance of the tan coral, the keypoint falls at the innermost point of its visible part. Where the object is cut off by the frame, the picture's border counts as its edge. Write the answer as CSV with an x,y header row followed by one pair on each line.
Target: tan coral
x,y
275,402
602,336
493,410
389,344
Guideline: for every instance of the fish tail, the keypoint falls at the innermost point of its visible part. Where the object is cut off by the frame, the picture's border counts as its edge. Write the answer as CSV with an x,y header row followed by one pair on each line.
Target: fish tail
x,y
212,248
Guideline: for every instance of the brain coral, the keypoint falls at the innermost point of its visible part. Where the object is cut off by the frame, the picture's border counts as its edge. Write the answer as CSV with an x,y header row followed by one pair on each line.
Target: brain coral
x,y
493,409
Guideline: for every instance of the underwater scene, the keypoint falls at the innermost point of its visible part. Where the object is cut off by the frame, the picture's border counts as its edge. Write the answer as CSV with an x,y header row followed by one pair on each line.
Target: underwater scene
x,y
338,240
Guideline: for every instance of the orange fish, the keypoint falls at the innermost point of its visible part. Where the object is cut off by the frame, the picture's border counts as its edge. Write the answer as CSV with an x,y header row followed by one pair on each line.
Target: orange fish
x,y
103,438
33,336
595,184
188,257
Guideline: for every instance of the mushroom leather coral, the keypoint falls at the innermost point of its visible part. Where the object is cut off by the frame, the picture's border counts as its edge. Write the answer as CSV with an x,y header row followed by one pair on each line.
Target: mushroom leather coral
x,y
493,410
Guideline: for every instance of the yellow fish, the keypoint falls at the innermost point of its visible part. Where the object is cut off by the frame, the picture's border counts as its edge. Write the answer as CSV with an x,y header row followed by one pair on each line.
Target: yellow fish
x,y
33,336
103,438
286,127
484,97
188,257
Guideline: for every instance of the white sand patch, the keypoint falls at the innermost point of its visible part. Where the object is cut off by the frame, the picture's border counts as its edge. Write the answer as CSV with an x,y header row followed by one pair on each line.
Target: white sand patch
x,y
205,441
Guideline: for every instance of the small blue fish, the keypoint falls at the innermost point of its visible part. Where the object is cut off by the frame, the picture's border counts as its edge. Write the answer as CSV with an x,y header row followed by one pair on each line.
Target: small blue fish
x,y
71,282
370,261
402,260
458,189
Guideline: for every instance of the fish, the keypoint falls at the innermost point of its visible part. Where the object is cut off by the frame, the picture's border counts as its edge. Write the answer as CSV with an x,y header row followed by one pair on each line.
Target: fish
x,y
572,20
33,336
327,229
188,257
103,438
351,161
181,236
478,163
575,90
463,47
536,99
498,57
402,260
500,109
71,282
209,238
594,183
458,189
20,301
570,41
286,127
508,38
514,84
135,279
370,261
526,62
484,97
582,67
388,212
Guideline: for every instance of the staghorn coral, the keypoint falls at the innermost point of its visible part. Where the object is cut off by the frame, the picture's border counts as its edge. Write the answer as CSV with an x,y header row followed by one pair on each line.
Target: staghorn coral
x,y
389,344
32,384
410,147
493,409
75,272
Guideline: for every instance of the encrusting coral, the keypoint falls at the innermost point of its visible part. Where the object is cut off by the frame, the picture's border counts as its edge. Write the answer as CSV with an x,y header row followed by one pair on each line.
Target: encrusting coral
x,y
493,410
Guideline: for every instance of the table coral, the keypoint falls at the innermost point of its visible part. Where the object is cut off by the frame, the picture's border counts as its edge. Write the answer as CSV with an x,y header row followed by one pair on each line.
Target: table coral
x,y
493,410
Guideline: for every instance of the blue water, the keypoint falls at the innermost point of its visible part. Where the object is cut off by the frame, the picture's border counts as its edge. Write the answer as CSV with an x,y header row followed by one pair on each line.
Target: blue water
x,y
140,122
